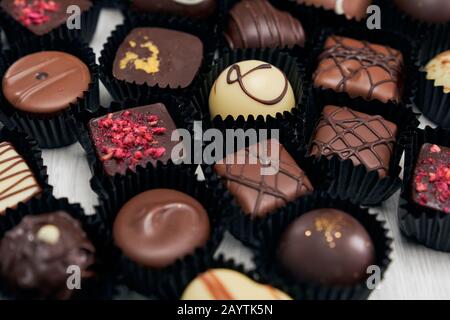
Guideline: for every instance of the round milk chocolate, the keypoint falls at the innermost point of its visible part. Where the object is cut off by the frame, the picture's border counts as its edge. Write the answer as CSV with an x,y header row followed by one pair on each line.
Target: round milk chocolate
x,y
45,82
251,87
157,227
435,11
326,246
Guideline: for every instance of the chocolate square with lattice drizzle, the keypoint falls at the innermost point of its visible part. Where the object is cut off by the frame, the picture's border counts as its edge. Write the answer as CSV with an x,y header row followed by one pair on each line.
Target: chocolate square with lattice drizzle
x,y
360,69
362,138
259,195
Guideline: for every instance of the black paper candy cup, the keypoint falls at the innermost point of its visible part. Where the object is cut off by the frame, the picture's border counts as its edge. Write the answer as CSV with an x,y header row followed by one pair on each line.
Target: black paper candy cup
x,y
50,130
100,286
117,191
393,39
273,228
352,182
182,115
15,31
28,149
293,70
424,225
121,90
174,287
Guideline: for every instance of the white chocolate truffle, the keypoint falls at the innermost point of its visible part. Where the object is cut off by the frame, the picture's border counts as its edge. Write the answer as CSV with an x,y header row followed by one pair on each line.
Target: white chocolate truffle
x,y
226,284
251,87
438,69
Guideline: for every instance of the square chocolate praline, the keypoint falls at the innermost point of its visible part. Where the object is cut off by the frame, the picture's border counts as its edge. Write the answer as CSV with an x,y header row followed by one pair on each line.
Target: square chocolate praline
x,y
431,180
364,139
42,16
360,69
137,136
157,56
259,195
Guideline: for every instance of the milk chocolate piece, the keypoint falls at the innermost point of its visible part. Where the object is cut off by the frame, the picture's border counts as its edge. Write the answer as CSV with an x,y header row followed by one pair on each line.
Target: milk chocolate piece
x,y
251,88
259,193
42,16
362,138
257,24
156,56
190,8
360,69
352,9
125,139
226,284
17,182
434,11
157,227
37,252
45,82
328,247
431,181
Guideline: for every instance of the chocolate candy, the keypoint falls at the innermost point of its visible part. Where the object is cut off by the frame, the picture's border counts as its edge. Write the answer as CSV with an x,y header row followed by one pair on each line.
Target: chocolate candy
x,y
125,139
226,284
45,82
328,247
438,69
190,8
257,24
431,179
361,69
17,182
157,227
435,11
251,87
42,16
362,138
352,9
260,194
156,56
37,252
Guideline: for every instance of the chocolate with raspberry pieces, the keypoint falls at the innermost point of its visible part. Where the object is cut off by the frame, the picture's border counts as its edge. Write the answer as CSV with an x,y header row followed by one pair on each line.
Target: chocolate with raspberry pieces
x,y
126,139
431,183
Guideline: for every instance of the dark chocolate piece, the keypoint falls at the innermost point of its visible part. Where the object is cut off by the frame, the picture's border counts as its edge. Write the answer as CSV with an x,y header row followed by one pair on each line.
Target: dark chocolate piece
x,y
157,227
258,194
42,16
257,24
431,182
360,69
156,56
328,247
352,9
17,181
362,138
137,136
45,82
435,11
200,9
37,252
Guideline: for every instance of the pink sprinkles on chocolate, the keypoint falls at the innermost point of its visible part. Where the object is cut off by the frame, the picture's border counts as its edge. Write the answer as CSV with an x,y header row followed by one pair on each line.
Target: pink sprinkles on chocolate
x,y
133,136
35,12
434,178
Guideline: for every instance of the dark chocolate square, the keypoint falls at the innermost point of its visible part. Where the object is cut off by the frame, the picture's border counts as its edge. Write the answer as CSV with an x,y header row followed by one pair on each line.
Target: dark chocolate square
x,y
360,69
431,181
126,139
42,16
157,56
365,139
257,194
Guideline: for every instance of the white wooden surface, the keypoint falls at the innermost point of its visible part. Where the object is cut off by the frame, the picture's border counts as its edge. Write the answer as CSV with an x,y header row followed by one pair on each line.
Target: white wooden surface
x,y
416,272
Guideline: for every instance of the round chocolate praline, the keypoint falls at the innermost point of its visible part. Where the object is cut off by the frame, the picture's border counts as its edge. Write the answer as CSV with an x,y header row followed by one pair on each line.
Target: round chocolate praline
x,y
326,246
433,11
36,253
157,227
45,82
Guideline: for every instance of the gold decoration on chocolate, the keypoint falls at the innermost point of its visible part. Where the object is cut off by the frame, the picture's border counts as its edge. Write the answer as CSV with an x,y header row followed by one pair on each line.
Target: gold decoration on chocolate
x,y
148,64
331,228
